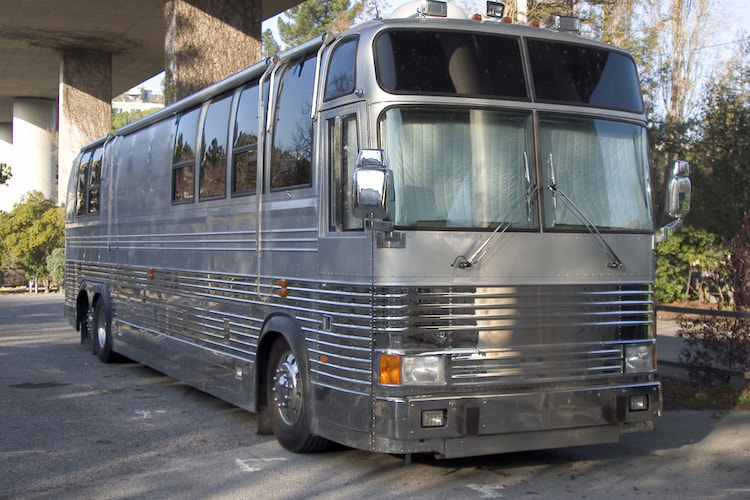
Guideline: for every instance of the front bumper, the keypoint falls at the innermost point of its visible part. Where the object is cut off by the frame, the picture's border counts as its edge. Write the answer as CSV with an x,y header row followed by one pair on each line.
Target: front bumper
x,y
516,421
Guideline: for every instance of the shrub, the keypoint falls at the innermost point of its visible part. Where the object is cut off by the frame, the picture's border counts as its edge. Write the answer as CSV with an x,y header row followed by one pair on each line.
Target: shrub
x,y
717,346
685,255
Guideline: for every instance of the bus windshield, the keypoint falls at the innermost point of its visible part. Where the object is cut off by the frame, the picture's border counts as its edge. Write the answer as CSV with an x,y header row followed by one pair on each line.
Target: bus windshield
x,y
458,167
472,168
602,167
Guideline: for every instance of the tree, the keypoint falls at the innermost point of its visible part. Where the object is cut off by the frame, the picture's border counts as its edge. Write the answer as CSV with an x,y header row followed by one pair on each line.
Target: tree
x,y
315,18
721,154
56,266
269,46
5,173
29,233
122,119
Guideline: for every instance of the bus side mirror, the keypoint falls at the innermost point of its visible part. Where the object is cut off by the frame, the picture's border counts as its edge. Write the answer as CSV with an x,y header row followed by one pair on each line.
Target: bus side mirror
x,y
370,185
677,206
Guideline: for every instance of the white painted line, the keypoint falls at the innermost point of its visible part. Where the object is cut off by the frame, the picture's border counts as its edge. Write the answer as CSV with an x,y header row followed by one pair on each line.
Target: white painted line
x,y
244,463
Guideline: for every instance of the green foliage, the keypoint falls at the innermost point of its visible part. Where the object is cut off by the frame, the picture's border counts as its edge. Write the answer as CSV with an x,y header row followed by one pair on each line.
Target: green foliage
x,y
315,18
269,45
5,173
56,266
721,154
29,233
122,119
684,256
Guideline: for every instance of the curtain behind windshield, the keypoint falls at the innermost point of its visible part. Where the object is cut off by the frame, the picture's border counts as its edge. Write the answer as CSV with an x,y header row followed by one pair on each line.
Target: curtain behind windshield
x,y
602,167
457,167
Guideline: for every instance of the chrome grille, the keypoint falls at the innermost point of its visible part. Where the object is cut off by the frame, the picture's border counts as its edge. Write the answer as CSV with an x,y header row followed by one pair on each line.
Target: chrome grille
x,y
523,334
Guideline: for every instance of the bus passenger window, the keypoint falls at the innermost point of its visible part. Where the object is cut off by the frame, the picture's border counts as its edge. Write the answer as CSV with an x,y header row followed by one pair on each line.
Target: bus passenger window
x,y
343,147
82,191
183,160
213,176
245,147
291,160
95,176
340,79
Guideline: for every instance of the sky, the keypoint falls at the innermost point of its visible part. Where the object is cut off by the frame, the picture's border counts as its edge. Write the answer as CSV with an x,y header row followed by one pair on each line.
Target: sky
x,y
734,15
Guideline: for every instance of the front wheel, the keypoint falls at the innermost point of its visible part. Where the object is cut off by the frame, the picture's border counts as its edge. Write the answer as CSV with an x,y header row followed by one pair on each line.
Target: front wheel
x,y
102,334
286,391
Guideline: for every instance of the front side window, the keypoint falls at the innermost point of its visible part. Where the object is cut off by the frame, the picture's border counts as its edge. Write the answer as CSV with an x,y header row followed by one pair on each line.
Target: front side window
x,y
213,149
343,149
601,167
340,78
183,158
291,157
450,63
459,168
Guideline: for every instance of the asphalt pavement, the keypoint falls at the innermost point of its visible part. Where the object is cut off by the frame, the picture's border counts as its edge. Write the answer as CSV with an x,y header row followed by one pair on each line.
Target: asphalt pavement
x,y
72,427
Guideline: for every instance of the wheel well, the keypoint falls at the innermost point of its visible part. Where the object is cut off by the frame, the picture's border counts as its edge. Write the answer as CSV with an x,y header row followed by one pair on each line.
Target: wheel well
x,y
82,307
264,349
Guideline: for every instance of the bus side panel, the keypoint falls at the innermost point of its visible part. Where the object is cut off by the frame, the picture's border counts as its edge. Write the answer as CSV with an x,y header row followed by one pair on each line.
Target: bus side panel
x,y
185,279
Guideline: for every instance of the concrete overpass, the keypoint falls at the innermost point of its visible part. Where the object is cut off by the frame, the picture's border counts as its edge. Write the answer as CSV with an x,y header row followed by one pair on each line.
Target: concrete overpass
x,y
62,61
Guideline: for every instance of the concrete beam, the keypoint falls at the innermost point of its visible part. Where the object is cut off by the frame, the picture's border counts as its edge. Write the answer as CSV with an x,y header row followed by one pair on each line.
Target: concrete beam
x,y
207,41
85,106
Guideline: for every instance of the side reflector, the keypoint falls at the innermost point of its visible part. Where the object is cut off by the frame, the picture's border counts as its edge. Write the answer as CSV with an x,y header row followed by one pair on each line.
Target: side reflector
x,y
390,369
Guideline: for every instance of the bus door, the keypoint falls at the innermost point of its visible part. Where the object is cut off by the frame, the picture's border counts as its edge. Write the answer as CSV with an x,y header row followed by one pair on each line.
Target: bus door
x,y
344,247
343,376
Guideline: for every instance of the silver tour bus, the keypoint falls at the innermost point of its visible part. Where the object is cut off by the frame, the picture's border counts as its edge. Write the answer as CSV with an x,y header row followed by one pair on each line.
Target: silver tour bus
x,y
427,234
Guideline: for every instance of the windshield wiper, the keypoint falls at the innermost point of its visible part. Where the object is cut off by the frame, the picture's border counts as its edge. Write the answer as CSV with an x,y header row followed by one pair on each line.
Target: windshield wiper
x,y
614,261
531,189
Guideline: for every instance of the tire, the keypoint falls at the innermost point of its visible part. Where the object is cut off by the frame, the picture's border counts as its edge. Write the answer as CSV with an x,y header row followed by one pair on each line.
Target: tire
x,y
286,390
85,325
101,339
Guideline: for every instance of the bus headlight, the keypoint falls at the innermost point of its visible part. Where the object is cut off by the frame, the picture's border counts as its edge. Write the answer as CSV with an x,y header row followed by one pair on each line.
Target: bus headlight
x,y
423,370
639,358
396,369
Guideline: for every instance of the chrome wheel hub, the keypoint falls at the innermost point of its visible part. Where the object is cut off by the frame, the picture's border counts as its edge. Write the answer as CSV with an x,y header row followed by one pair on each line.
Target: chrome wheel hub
x,y
287,388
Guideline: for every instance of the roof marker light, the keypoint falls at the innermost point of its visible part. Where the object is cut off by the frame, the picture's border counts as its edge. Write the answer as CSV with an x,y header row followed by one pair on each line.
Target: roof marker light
x,y
495,9
567,23
434,8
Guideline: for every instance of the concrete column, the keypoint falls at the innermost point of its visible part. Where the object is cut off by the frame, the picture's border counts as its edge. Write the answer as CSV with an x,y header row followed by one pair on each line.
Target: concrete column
x,y
6,156
85,106
33,162
207,41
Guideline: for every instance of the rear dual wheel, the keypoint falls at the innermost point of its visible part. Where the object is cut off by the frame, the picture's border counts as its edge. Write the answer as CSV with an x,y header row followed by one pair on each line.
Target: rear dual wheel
x,y
101,339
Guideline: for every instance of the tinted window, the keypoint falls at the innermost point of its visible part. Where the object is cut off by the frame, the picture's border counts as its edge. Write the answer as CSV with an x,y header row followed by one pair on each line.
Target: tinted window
x,y
83,172
213,149
183,163
340,78
95,177
291,160
584,75
444,62
245,147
